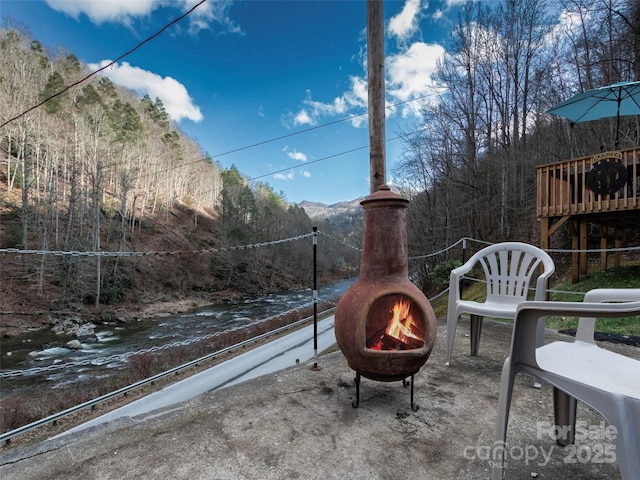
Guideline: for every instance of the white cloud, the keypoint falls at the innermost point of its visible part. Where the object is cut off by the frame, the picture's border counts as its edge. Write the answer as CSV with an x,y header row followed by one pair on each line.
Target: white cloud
x,y
337,107
173,94
100,11
125,11
305,173
358,91
353,99
406,23
283,176
297,156
303,118
409,72
210,12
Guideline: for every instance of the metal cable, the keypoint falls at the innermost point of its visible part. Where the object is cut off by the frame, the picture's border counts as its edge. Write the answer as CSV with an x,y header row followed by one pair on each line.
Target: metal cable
x,y
340,241
144,254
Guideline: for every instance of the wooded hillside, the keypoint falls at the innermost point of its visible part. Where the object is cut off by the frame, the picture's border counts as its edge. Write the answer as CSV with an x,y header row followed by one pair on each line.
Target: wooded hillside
x,y
469,163
96,168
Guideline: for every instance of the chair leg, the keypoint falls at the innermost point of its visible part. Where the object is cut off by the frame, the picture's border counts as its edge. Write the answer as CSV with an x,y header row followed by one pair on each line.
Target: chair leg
x,y
476,329
627,441
502,421
452,322
535,382
564,413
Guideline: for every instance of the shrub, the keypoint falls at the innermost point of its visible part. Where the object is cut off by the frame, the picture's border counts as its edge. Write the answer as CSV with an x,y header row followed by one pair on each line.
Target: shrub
x,y
441,273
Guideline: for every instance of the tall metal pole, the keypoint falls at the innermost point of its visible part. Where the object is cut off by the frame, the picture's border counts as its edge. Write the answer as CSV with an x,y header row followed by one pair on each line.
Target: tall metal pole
x,y
315,299
376,95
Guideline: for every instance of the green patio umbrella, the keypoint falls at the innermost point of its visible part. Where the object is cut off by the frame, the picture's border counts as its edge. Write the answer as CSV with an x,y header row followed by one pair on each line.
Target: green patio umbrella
x,y
615,100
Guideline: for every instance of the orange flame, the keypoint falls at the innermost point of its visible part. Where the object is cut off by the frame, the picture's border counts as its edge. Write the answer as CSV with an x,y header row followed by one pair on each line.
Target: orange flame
x,y
402,331
402,324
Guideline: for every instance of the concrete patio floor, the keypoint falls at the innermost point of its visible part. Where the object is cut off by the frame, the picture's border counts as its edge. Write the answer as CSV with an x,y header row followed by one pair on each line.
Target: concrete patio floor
x,y
299,423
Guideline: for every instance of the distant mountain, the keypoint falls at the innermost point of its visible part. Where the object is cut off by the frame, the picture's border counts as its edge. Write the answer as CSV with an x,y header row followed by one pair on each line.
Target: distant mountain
x,y
342,219
317,210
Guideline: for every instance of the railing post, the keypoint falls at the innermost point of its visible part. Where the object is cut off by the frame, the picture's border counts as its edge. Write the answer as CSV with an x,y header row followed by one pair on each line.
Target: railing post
x,y
464,259
315,299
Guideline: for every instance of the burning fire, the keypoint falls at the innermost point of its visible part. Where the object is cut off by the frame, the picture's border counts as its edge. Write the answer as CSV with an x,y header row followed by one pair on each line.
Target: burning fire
x,y
400,331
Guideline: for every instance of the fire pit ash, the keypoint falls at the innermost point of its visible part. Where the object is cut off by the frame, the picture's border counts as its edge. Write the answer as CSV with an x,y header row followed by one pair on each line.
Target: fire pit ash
x,y
384,324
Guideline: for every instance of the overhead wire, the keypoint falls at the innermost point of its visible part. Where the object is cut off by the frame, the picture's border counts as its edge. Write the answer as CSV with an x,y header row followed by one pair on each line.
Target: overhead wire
x,y
328,157
331,156
315,127
299,132
87,77
246,147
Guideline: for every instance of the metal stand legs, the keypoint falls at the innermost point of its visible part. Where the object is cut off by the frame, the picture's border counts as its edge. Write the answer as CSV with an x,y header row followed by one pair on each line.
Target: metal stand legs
x,y
414,406
356,401
405,383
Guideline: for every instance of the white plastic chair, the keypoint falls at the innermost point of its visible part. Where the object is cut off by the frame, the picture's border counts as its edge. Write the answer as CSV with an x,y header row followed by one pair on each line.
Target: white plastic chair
x,y
509,268
607,382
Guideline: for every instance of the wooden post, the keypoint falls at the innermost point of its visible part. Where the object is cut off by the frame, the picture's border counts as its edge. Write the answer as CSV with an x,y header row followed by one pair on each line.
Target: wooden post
x,y
575,255
376,94
617,233
583,247
545,222
604,231
544,245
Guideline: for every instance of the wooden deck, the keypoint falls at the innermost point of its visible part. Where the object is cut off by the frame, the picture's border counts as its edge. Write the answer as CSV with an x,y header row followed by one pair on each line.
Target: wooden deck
x,y
602,189
562,186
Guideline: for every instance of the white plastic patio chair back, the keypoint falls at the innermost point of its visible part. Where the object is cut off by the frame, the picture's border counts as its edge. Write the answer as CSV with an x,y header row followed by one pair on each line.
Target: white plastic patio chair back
x,y
509,268
579,370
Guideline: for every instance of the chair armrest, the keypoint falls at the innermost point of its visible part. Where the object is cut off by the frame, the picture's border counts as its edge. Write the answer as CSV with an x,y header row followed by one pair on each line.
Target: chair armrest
x,y
460,271
613,295
523,342
454,281
541,284
586,325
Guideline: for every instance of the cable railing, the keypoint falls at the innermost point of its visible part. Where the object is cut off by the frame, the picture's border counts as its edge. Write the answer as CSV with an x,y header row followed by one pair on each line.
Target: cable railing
x,y
154,253
124,356
253,246
6,437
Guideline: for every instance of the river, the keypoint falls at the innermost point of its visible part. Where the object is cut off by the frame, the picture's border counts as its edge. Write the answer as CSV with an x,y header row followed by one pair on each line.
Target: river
x,y
44,348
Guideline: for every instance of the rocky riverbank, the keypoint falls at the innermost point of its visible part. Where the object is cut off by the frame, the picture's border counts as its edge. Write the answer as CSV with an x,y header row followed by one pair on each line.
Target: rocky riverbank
x,y
70,317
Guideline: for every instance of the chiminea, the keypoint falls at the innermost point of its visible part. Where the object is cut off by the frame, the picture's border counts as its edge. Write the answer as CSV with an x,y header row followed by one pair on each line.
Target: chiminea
x,y
384,324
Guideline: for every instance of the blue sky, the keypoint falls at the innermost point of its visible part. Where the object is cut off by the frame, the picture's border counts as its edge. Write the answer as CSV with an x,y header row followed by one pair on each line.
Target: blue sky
x,y
277,88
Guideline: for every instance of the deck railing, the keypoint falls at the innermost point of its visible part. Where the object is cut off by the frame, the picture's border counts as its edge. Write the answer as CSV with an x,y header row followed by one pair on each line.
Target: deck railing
x,y
590,185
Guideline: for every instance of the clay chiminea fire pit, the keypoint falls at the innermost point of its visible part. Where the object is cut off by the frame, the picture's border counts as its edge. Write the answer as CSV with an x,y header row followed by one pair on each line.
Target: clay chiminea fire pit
x,y
384,324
